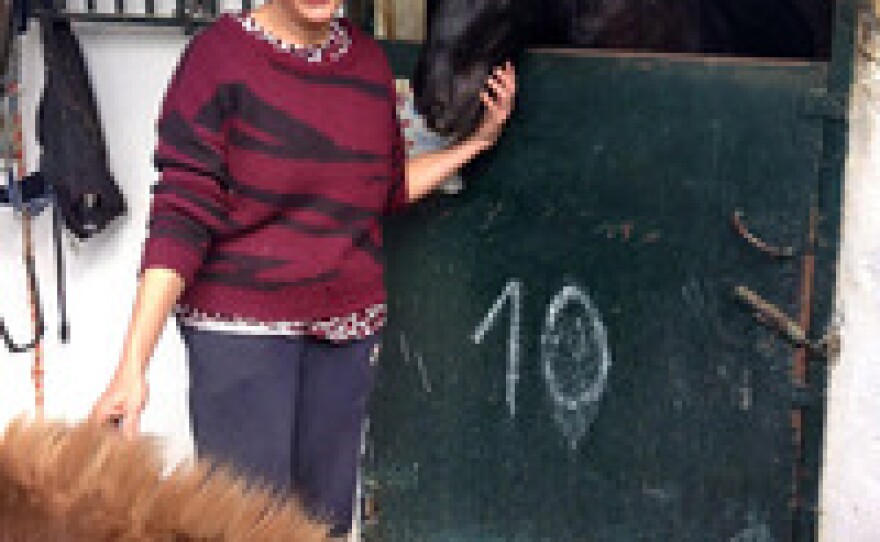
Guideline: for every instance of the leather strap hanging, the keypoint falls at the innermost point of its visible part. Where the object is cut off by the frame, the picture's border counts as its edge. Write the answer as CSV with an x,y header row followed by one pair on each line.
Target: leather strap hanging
x,y
26,203
7,32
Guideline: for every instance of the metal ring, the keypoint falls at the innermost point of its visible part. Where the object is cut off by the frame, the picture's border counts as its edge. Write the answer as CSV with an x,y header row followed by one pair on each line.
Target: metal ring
x,y
744,232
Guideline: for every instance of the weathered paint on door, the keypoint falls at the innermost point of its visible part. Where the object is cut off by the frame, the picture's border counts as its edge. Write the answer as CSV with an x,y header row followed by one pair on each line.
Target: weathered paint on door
x,y
565,359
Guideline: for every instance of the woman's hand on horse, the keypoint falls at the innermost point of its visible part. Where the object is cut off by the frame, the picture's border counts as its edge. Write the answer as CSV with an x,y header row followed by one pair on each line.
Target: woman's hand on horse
x,y
498,99
122,402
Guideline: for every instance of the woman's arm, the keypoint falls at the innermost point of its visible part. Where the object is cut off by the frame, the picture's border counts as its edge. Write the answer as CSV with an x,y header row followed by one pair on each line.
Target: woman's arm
x,y
189,207
426,171
157,293
126,394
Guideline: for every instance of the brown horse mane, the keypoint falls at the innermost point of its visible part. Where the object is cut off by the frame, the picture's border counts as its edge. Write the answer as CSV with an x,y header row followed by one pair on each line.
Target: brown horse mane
x,y
78,483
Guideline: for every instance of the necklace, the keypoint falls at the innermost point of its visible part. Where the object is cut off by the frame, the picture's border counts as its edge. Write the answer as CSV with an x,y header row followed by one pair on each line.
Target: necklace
x,y
336,44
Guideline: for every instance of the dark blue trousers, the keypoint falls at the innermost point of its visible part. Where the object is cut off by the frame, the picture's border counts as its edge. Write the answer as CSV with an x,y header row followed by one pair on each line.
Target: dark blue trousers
x,y
286,410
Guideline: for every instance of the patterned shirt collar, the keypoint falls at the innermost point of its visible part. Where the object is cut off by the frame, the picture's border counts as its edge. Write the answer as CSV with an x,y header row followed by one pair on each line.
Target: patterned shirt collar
x,y
332,48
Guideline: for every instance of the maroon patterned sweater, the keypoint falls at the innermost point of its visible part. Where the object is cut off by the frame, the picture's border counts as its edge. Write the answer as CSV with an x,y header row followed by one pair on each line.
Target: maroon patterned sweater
x,y
275,173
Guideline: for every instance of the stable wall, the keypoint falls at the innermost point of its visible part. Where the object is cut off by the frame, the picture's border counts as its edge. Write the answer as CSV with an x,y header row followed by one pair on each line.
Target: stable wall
x,y
851,473
130,70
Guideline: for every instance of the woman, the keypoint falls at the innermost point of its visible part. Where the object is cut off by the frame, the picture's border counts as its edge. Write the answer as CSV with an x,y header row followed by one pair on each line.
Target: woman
x,y
279,152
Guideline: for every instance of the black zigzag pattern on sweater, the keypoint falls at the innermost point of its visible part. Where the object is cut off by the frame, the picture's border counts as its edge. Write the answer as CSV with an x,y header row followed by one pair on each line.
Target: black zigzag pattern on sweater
x,y
285,136
243,270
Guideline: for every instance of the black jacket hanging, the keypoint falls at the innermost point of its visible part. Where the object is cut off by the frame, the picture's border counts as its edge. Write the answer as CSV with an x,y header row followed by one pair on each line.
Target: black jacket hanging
x,y
74,159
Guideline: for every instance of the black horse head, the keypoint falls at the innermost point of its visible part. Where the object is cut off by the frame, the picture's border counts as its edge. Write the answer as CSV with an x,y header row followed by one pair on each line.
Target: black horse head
x,y
466,39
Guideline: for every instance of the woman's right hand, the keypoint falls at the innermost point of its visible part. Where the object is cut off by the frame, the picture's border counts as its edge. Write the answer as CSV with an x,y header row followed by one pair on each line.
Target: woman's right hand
x,y
126,395
122,402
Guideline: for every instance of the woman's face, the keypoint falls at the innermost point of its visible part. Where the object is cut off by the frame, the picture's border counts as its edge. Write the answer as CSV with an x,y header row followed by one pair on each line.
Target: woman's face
x,y
312,12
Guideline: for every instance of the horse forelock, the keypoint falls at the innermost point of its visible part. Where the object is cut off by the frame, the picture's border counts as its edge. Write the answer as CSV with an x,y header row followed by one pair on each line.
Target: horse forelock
x,y
465,40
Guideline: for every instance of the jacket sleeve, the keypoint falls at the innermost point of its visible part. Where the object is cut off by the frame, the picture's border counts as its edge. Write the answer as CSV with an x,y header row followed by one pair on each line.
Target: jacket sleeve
x,y
190,202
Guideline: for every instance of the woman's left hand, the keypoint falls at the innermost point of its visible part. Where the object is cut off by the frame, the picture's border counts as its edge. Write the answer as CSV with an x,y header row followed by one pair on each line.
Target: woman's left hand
x,y
498,103
427,170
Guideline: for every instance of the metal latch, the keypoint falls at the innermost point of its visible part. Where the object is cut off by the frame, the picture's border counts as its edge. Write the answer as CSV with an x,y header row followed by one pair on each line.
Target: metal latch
x,y
773,317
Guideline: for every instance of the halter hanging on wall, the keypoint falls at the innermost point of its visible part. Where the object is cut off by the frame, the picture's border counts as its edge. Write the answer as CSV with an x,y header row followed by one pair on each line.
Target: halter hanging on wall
x,y
27,197
23,198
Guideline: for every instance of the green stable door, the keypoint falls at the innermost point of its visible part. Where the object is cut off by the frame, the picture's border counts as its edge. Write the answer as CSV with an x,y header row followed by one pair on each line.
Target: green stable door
x,y
567,359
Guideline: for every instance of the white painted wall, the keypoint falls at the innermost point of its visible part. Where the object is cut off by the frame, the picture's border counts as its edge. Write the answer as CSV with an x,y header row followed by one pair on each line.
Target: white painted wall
x,y
851,474
129,74
130,70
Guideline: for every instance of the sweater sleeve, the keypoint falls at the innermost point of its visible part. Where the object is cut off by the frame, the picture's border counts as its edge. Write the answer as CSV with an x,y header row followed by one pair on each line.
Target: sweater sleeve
x,y
190,201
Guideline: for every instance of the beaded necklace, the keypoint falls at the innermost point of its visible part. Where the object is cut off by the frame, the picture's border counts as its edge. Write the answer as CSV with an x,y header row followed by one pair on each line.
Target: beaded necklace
x,y
332,48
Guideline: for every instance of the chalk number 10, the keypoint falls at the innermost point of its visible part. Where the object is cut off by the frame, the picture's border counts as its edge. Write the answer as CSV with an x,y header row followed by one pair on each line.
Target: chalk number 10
x,y
574,347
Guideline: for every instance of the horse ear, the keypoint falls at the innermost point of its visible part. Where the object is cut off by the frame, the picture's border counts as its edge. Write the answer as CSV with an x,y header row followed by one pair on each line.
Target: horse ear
x,y
418,78
431,7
